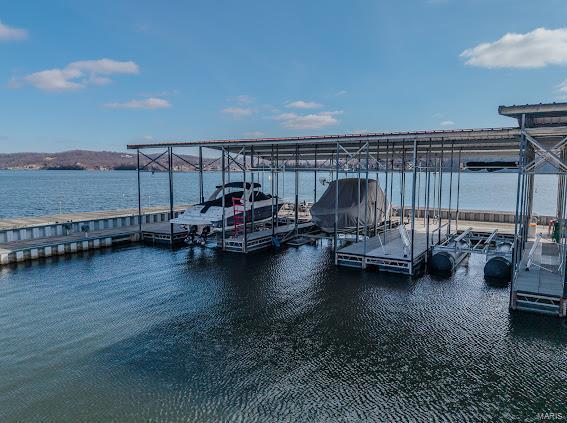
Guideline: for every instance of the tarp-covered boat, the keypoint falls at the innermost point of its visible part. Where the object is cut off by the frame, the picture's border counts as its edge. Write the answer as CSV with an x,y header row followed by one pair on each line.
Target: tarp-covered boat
x,y
353,199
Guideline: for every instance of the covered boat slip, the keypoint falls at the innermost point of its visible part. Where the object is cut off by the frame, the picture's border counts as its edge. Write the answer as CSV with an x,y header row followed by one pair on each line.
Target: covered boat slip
x,y
426,167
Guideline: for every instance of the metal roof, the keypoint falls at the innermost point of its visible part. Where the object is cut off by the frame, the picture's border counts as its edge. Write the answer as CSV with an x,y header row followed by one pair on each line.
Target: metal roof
x,y
471,142
534,110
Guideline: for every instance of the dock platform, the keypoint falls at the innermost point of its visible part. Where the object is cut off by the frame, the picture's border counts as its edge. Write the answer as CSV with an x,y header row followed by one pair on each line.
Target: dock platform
x,y
385,253
388,254
161,233
541,287
261,239
30,238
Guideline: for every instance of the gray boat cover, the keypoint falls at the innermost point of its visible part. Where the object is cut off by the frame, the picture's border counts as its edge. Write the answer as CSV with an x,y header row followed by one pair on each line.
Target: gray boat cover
x,y
350,206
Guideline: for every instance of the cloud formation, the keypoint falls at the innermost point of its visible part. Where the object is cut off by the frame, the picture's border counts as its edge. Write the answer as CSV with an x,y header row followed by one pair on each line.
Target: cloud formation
x,y
76,75
244,99
535,49
446,123
8,33
238,112
310,121
147,103
254,134
300,104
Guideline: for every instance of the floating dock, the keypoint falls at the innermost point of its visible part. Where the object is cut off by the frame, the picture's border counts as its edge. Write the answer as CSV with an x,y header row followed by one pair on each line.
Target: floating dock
x,y
428,218
428,166
31,238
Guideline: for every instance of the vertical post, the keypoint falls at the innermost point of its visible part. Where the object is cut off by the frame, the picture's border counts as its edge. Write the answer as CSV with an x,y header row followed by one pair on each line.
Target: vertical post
x,y
272,180
277,183
358,194
403,184
439,196
378,190
296,208
201,189
139,192
315,177
392,171
252,204
367,193
450,189
223,181
244,200
336,228
516,254
428,195
458,192
170,169
413,203
387,216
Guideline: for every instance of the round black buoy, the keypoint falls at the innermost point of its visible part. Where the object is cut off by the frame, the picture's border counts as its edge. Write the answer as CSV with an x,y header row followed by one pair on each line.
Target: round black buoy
x,y
441,263
499,268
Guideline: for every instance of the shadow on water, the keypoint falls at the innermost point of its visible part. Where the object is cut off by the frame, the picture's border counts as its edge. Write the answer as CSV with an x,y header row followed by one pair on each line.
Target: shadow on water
x,y
196,334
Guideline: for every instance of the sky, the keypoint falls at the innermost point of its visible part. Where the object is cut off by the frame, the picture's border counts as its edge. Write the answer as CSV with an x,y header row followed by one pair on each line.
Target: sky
x,y
98,75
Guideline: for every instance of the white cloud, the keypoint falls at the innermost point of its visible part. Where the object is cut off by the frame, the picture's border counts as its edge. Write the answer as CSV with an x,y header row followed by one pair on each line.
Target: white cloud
x,y
310,121
105,66
535,49
244,99
147,103
76,75
447,123
563,87
340,93
238,112
254,134
361,131
300,104
8,33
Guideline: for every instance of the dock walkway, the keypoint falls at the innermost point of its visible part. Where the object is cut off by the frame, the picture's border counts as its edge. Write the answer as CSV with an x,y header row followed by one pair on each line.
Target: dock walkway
x,y
30,238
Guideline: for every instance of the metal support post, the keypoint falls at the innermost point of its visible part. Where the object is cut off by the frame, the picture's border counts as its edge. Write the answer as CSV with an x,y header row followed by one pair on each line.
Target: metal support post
x,y
170,170
223,181
139,192
244,200
413,203
335,233
201,189
296,215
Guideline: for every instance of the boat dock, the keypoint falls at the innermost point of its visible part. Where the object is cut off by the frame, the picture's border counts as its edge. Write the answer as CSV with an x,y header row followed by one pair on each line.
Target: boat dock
x,y
423,229
427,229
31,238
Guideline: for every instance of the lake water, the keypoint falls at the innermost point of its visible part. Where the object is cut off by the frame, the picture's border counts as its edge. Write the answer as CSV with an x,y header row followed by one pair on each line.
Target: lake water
x,y
149,334
36,193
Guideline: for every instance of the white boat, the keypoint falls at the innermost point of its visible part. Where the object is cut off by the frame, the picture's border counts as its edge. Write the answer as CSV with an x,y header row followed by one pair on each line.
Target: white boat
x,y
206,217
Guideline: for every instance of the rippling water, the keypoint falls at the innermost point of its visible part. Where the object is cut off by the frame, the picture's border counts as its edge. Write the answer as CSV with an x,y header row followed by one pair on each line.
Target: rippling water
x,y
141,333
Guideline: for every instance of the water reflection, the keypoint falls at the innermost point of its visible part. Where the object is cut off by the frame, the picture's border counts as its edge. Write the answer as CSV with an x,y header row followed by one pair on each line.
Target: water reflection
x,y
145,333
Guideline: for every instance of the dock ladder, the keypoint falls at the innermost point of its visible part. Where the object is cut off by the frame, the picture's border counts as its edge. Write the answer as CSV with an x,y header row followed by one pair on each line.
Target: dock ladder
x,y
237,215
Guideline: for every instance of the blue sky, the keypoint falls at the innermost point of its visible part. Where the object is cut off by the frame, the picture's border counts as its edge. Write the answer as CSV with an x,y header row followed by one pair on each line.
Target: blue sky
x,y
232,69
